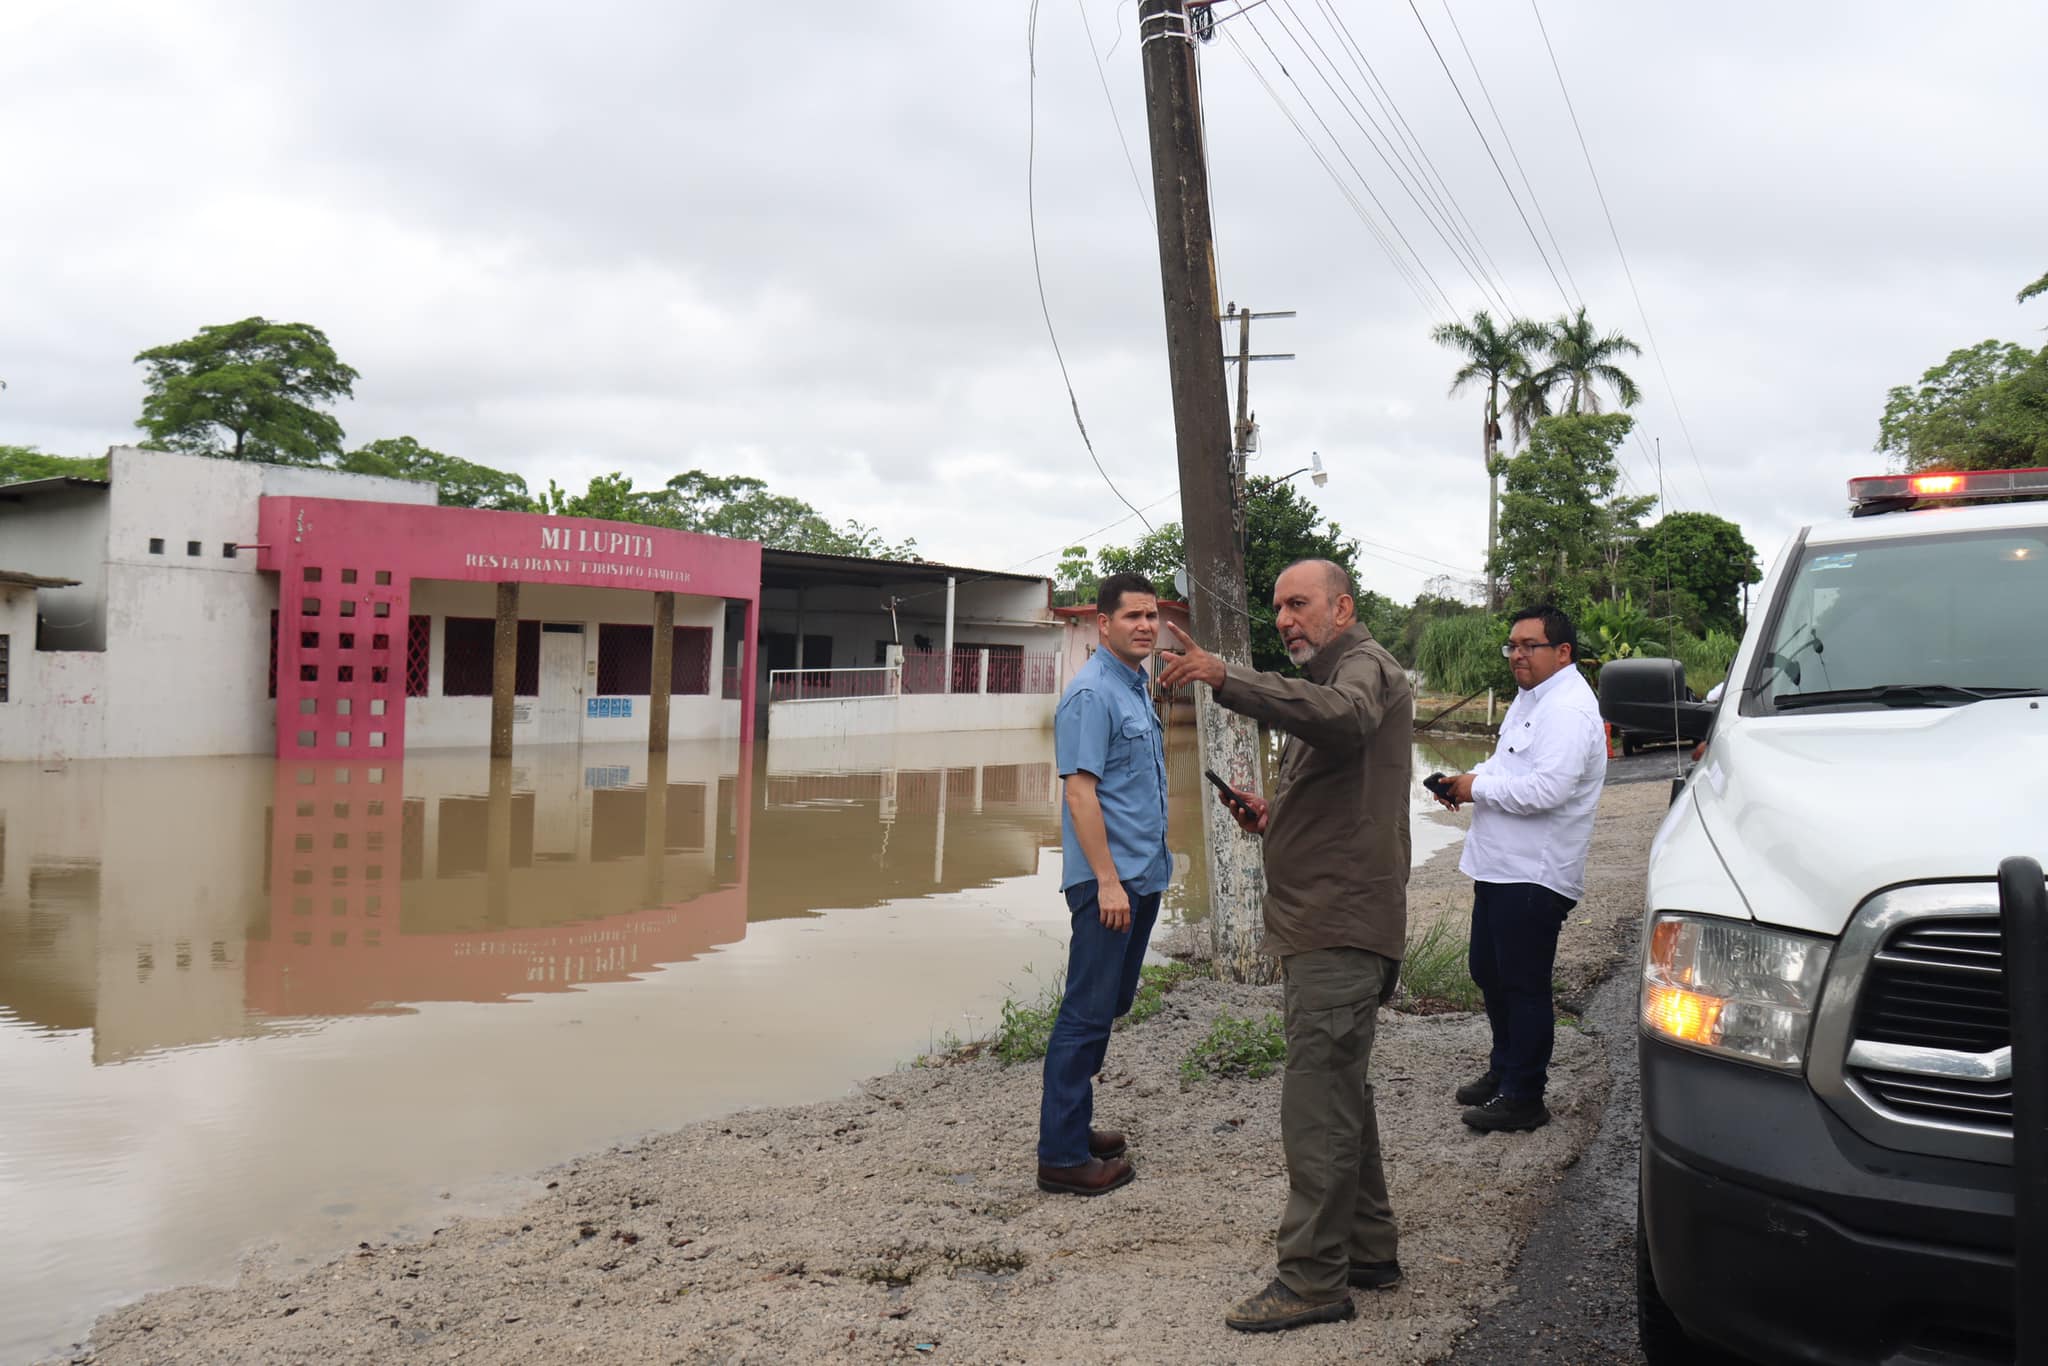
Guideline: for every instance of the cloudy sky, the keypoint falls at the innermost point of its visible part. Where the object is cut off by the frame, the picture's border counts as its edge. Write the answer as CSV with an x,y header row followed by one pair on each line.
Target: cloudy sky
x,y
791,239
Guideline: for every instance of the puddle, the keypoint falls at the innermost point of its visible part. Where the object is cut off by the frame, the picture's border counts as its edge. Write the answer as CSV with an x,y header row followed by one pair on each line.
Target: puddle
x,y
245,1003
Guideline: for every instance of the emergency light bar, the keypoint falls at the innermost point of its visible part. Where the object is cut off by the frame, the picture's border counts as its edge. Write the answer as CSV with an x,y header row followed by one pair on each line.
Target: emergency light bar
x,y
1900,489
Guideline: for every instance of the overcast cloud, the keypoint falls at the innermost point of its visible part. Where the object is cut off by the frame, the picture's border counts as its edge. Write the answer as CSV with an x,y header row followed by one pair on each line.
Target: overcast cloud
x,y
790,239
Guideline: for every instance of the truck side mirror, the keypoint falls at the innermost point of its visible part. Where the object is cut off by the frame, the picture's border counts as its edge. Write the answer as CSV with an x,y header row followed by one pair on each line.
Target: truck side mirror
x,y
1648,697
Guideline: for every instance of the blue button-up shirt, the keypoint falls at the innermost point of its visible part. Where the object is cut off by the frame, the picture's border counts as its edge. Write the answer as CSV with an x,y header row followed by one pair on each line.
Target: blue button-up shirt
x,y
1105,725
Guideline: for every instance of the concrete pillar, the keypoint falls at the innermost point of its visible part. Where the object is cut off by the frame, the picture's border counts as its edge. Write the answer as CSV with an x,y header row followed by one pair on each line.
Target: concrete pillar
x,y
799,642
504,669
892,659
661,672
948,670
939,840
750,669
498,846
982,672
655,841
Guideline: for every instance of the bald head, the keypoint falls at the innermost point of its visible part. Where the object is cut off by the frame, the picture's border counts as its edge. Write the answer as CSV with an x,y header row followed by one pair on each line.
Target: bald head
x,y
1312,605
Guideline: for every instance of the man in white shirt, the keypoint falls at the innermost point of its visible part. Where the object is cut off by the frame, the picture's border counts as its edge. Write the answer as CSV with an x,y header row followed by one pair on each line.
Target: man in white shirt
x,y
1532,822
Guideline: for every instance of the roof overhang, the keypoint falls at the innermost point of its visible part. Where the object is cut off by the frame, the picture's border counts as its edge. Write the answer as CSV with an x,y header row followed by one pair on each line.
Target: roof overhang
x,y
805,569
40,488
16,578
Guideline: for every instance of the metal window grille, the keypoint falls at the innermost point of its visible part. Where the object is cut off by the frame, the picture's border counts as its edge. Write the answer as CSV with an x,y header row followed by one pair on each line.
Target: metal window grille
x,y
419,636
4,642
273,654
731,689
625,661
467,648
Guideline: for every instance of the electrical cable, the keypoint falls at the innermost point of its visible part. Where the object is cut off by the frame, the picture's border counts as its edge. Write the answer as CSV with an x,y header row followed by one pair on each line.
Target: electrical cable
x,y
1513,155
1648,332
1467,260
1460,92
1103,76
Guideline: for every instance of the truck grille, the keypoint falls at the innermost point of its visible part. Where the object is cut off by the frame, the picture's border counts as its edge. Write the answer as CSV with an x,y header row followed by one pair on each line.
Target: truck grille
x,y
1939,983
1979,1102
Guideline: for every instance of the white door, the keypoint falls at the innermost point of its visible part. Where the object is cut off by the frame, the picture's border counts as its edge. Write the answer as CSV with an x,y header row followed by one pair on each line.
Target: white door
x,y
560,713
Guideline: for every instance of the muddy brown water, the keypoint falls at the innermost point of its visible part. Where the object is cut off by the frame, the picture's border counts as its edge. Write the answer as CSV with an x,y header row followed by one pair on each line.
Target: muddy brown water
x,y
246,1004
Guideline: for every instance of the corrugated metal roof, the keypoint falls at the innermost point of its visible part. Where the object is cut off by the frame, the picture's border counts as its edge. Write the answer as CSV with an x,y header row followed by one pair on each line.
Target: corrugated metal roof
x,y
21,578
30,488
895,571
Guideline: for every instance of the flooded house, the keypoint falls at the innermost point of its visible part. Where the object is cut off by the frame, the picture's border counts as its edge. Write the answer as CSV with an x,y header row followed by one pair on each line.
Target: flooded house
x,y
195,606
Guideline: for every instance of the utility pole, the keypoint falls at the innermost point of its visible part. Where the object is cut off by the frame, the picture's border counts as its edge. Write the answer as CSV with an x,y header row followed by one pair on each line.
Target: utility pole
x,y
1201,422
1247,430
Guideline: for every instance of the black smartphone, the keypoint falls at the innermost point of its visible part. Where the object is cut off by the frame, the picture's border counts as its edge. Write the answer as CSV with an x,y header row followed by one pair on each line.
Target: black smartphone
x,y
1439,787
1231,795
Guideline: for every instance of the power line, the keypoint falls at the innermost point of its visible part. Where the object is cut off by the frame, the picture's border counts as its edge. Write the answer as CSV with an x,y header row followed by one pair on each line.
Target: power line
x,y
1038,272
1468,261
1384,97
1103,76
1402,268
1641,312
1088,536
1512,198
1513,155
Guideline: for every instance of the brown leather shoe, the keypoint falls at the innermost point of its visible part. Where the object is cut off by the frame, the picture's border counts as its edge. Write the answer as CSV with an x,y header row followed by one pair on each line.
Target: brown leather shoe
x,y
1093,1177
1105,1144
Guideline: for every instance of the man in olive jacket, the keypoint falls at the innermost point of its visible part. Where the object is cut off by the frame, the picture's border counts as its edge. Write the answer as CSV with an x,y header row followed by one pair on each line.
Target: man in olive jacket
x,y
1336,913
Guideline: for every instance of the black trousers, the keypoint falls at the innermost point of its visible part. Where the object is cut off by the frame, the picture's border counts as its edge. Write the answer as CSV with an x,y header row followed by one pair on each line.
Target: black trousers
x,y
1514,948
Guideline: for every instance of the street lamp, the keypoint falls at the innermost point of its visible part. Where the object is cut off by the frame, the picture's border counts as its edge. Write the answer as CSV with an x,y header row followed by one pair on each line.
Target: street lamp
x,y
1314,469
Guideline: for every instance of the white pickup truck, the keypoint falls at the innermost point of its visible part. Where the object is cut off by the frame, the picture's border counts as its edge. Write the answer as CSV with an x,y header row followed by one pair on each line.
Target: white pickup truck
x,y
1827,1158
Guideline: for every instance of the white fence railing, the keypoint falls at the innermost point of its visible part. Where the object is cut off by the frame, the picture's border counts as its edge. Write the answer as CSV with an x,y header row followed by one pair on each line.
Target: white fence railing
x,y
833,685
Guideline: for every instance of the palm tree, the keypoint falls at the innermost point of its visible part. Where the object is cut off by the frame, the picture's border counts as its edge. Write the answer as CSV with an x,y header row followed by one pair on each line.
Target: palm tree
x,y
1579,357
1499,358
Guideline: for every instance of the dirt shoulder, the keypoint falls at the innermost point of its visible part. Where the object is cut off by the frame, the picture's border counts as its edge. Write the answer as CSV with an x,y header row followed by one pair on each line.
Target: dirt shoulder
x,y
903,1222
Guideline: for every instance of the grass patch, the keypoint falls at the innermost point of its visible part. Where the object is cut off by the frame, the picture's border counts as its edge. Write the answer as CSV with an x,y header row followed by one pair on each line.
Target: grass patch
x,y
1237,1046
1026,1026
1154,982
1434,976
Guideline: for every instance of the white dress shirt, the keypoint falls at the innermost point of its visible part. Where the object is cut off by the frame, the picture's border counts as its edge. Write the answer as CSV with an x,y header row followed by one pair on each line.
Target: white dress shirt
x,y
1533,801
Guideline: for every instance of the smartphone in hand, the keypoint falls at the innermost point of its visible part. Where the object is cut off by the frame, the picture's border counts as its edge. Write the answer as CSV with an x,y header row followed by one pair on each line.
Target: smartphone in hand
x,y
1232,798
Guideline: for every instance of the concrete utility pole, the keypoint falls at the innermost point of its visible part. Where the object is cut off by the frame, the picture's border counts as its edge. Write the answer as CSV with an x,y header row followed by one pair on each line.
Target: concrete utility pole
x,y
1246,432
1201,422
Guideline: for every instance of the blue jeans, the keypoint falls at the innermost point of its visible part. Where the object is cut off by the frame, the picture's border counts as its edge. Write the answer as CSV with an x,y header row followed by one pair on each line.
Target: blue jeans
x,y
1102,981
1514,946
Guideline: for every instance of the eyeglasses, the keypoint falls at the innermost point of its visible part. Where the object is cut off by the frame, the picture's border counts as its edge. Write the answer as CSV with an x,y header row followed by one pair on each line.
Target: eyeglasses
x,y
1518,647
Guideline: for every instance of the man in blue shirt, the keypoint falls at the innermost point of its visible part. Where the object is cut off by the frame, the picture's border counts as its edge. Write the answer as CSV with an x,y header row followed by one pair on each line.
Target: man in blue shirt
x,y
1112,754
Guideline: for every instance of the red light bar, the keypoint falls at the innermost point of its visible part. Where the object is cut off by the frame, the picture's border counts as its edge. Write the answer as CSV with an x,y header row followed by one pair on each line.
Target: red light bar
x,y
1881,488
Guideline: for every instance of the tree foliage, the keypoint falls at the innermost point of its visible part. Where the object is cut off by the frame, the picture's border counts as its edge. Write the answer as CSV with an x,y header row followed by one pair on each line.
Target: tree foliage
x,y
1983,408
1580,359
2039,286
248,390
462,483
1560,519
734,505
1074,579
1460,654
20,463
1693,565
1281,526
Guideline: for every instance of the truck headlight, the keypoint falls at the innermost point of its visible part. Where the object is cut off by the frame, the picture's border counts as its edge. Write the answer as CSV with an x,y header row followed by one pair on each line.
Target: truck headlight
x,y
1733,988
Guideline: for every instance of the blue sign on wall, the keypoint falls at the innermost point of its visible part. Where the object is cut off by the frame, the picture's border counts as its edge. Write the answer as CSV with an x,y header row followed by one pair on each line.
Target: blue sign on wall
x,y
607,706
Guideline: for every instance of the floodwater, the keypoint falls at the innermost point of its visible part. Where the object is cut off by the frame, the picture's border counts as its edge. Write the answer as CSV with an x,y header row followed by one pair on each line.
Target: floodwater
x,y
246,1004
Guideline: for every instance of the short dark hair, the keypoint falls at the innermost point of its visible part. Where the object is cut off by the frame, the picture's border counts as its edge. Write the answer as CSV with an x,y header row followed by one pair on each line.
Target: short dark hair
x,y
1109,594
1557,627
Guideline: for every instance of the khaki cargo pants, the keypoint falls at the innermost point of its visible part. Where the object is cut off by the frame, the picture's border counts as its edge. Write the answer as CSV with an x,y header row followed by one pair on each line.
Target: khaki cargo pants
x,y
1337,1210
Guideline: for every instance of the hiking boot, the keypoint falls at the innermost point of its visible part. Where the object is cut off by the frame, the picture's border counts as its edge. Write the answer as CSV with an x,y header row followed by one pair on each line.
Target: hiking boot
x,y
1105,1144
1277,1308
1479,1090
1507,1114
1093,1177
1375,1275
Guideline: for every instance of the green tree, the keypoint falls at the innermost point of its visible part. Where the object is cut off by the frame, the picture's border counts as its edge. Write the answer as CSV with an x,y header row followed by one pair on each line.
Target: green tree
x,y
1498,359
1281,526
2039,286
20,463
462,483
1074,579
1581,358
1559,516
1460,653
737,505
247,390
1693,565
1983,408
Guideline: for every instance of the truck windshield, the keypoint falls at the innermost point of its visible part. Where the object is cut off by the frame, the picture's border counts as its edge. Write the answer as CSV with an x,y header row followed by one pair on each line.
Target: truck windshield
x,y
1921,621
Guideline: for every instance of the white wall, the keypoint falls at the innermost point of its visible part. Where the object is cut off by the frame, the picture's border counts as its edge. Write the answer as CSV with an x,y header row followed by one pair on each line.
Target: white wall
x,y
61,708
846,718
62,536
436,721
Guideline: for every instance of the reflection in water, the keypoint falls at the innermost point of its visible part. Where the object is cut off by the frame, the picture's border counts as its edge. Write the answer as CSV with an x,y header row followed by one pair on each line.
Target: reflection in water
x,y
242,1000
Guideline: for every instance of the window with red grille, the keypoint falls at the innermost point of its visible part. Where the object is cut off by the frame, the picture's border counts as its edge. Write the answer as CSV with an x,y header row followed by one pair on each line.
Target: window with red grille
x,y
625,661
419,636
466,658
